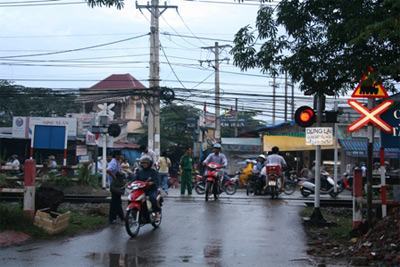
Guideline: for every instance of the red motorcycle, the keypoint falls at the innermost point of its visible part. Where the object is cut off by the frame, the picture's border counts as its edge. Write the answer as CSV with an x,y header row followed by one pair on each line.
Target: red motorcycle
x,y
213,177
139,210
274,175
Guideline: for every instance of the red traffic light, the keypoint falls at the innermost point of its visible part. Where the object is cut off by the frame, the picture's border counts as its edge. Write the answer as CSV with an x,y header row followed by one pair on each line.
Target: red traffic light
x,y
304,116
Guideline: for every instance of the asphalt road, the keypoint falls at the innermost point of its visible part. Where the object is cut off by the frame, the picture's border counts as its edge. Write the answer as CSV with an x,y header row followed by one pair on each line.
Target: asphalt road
x,y
235,231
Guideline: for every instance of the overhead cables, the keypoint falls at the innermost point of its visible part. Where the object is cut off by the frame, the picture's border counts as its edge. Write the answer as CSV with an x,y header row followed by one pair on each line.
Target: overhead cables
x,y
78,49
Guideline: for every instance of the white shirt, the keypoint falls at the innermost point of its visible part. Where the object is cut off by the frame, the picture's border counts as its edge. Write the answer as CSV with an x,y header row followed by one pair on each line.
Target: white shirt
x,y
276,159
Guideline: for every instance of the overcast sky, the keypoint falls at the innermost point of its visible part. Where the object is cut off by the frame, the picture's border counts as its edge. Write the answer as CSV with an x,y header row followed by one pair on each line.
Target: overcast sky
x,y
28,30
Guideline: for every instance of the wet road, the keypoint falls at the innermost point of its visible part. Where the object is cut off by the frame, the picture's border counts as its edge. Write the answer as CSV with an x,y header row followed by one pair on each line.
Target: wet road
x,y
234,231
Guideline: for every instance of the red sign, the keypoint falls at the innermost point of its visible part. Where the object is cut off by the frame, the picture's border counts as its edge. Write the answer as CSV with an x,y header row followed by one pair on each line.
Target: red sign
x,y
370,116
373,90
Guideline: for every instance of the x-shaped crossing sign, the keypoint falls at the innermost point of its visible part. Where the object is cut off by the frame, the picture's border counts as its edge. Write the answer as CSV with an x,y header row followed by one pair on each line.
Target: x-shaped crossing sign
x,y
370,115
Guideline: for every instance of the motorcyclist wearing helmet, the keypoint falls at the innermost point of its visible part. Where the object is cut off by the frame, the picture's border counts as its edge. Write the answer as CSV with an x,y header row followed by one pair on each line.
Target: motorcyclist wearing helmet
x,y
219,158
216,156
275,159
259,165
147,174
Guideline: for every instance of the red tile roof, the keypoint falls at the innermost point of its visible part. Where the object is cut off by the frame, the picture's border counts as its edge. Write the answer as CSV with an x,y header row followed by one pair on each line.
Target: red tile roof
x,y
118,81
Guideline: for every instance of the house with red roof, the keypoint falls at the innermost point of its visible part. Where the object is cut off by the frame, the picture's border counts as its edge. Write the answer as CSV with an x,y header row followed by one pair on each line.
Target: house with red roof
x,y
126,92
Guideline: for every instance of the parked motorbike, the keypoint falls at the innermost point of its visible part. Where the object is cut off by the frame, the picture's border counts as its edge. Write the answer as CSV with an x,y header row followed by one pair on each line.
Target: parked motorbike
x,y
327,186
199,183
139,210
291,183
273,184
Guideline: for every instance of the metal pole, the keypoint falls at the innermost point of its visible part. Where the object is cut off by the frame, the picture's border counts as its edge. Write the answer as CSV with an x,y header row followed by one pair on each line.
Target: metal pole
x,y
336,153
369,166
104,165
292,85
286,96
383,182
316,217
273,99
236,117
217,92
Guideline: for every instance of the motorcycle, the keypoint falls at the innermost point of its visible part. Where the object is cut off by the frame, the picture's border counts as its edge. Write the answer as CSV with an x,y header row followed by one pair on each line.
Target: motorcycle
x,y
291,182
139,210
274,174
199,183
213,177
327,186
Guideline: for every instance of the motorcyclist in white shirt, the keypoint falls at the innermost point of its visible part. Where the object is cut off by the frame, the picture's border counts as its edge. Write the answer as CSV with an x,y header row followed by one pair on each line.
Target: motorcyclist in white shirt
x,y
275,159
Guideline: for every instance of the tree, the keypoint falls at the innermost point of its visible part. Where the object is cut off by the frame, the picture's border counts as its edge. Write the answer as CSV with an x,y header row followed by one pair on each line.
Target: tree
x,y
175,131
17,100
247,123
108,3
327,44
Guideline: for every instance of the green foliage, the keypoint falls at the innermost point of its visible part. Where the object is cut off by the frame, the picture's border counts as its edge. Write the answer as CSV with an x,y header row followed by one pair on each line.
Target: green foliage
x,y
82,222
85,178
3,181
250,124
18,100
328,44
59,180
174,126
107,3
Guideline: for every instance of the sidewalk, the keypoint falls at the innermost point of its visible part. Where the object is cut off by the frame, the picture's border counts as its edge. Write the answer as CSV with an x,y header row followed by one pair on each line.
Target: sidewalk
x,y
8,238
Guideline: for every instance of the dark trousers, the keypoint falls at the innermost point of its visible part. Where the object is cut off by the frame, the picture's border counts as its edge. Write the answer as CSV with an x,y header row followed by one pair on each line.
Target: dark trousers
x,y
186,182
115,208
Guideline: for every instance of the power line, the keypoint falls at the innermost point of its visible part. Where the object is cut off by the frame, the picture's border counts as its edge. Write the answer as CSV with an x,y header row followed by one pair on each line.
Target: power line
x,y
41,4
78,49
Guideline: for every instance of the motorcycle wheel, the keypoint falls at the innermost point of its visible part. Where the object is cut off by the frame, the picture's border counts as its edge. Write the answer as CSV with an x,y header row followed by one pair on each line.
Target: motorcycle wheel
x,y
200,188
304,193
230,189
290,187
157,223
132,224
208,189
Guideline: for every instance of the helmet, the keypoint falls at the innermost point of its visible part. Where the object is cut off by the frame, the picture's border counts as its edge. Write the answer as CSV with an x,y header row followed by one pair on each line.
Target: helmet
x,y
217,145
145,159
261,156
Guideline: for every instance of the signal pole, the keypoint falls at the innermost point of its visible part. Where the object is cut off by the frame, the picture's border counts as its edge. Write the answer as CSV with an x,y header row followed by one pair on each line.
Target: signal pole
x,y
286,97
216,50
154,83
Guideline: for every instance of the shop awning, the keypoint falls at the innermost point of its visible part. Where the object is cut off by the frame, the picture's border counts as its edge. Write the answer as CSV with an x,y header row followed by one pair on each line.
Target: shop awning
x,y
288,143
358,148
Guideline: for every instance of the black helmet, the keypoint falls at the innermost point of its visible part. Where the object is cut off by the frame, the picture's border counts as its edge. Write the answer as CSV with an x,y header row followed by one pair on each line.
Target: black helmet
x,y
146,159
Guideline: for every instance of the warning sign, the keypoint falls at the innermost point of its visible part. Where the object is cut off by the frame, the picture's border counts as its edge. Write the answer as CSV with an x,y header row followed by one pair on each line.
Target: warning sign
x,y
374,90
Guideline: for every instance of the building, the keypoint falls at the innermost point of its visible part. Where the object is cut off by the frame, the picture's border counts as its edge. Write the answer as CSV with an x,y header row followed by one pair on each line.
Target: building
x,y
127,93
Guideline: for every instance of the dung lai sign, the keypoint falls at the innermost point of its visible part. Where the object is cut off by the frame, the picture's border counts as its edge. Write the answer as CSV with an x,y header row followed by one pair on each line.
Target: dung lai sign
x,y
319,136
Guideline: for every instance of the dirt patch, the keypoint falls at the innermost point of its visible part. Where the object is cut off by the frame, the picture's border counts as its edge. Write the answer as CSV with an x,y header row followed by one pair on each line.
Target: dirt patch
x,y
380,246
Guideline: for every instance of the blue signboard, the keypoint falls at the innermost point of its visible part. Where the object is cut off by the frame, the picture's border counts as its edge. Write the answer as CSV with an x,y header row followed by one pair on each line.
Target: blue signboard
x,y
49,137
392,117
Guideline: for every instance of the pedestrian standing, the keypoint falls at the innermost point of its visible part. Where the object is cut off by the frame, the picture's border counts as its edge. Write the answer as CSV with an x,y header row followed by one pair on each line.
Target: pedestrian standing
x,y
164,163
186,165
117,188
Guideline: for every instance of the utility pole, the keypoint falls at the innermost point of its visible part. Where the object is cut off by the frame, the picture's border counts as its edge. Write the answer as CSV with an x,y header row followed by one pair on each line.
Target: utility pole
x,y
154,83
286,96
236,117
216,50
292,85
273,100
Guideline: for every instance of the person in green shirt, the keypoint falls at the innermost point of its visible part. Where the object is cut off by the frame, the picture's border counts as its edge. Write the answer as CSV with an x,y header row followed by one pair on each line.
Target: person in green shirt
x,y
186,164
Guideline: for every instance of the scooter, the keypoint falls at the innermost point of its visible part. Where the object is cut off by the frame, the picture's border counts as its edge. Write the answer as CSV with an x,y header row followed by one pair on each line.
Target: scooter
x,y
307,187
139,210
273,184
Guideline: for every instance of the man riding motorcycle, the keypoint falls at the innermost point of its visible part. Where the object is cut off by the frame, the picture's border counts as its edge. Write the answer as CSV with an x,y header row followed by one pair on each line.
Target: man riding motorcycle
x,y
218,158
275,159
147,174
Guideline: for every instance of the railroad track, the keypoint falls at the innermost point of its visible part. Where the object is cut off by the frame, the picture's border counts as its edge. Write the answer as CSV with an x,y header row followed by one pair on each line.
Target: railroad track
x,y
17,196
340,203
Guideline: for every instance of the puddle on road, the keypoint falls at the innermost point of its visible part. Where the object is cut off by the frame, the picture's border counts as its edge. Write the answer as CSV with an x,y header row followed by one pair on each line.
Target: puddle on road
x,y
124,260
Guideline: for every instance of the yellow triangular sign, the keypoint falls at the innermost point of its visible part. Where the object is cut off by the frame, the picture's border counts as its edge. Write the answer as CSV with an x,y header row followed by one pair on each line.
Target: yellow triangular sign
x,y
369,91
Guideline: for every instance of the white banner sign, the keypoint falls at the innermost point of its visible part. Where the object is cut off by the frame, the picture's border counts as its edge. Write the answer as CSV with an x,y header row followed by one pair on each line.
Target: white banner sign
x,y
319,136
